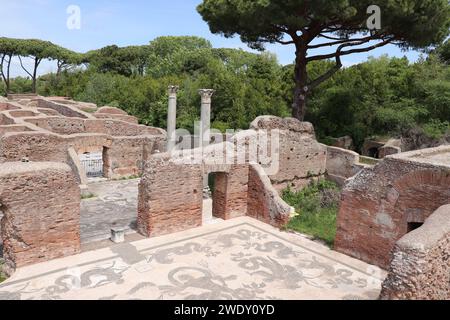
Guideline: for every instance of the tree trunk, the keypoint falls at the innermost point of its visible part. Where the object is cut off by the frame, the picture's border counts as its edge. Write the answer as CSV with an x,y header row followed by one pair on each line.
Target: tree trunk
x,y
36,65
8,84
5,76
301,88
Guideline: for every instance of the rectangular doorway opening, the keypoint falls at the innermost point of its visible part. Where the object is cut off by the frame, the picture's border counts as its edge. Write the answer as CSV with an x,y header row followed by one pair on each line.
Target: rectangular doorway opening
x,y
92,163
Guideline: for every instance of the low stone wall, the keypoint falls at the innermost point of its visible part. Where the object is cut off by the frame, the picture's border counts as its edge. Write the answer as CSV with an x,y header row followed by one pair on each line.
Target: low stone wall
x,y
420,266
62,109
41,207
264,203
59,125
36,146
341,164
125,118
13,128
120,128
5,120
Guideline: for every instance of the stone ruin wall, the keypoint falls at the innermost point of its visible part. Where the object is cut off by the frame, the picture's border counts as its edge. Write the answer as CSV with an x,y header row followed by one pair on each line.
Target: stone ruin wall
x,y
240,189
302,158
264,202
343,164
38,137
171,196
420,266
378,204
41,207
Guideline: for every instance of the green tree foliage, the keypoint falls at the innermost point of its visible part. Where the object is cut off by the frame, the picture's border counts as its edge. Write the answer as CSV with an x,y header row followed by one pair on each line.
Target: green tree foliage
x,y
247,85
340,25
37,50
8,49
383,96
444,52
126,61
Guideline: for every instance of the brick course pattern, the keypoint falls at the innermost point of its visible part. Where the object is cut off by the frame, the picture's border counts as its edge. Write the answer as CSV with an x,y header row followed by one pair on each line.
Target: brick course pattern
x,y
170,197
41,207
379,204
420,265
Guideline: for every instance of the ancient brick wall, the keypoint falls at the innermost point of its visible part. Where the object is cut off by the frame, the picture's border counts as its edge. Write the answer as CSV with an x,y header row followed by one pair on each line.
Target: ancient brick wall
x,y
380,204
230,193
120,128
59,125
65,110
125,118
420,267
264,203
41,207
302,158
124,155
36,146
170,197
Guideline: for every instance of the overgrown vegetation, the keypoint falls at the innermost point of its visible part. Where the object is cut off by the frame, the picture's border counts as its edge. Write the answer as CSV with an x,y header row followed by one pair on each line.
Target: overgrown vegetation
x,y
383,96
132,177
87,196
317,207
2,275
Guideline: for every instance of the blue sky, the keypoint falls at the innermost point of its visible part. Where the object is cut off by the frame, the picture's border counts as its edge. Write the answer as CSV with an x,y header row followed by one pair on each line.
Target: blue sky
x,y
130,22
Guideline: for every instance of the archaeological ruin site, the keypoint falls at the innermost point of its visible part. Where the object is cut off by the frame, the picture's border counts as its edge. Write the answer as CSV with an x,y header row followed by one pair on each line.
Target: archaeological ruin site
x,y
95,206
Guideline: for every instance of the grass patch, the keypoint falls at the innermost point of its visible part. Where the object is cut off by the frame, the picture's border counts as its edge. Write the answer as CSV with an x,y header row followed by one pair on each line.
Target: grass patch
x,y
368,160
317,207
436,129
2,275
133,177
86,196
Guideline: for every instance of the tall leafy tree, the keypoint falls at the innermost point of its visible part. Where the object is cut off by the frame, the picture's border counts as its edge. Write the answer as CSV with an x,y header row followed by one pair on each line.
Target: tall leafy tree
x,y
444,52
339,25
37,50
65,58
8,49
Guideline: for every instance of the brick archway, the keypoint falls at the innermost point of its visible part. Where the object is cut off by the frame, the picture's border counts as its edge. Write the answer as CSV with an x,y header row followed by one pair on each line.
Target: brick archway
x,y
420,193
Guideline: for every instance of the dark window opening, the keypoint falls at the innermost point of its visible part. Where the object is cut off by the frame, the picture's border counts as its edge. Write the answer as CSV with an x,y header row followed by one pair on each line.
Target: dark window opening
x,y
414,225
373,153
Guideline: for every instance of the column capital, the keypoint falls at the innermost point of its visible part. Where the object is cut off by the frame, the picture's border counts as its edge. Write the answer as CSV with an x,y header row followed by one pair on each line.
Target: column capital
x,y
206,94
173,90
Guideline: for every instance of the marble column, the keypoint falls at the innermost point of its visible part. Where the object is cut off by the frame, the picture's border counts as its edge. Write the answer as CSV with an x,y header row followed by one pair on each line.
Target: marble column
x,y
172,117
206,95
205,135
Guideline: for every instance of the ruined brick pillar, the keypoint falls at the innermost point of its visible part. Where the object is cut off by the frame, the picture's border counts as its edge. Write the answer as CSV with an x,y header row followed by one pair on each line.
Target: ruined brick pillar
x,y
170,197
172,117
41,206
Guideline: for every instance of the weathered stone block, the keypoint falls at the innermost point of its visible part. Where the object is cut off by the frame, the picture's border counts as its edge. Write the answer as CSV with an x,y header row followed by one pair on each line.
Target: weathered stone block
x,y
420,265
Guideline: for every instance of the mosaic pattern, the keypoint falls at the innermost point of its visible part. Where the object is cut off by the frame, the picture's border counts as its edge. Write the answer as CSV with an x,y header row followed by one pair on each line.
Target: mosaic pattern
x,y
240,262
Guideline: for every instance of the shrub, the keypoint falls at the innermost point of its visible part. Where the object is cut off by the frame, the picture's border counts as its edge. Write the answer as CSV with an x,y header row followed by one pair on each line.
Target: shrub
x,y
317,206
436,129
